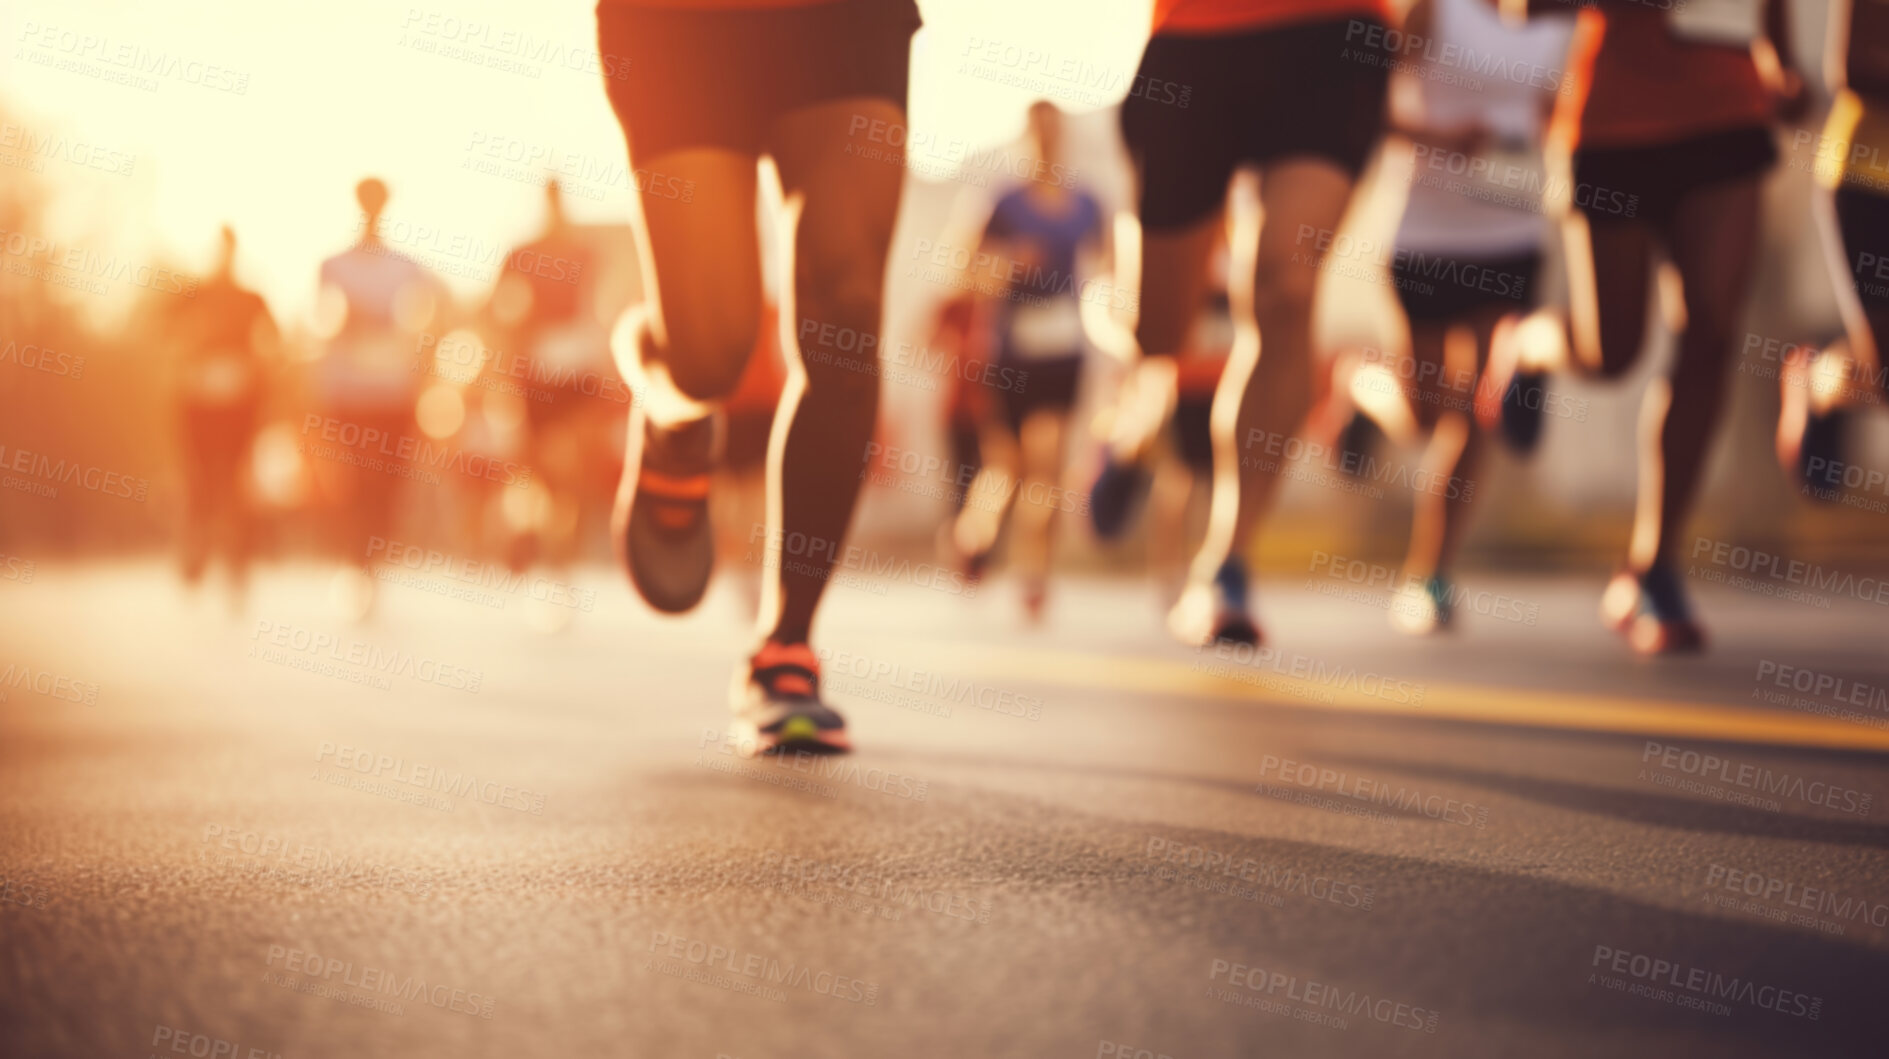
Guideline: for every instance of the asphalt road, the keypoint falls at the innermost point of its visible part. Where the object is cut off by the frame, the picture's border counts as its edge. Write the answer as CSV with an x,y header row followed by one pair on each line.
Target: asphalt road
x,y
445,832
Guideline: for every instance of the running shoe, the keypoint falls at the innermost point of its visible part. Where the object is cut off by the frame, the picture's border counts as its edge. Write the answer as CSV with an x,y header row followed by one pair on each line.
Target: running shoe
x,y
1511,399
1216,612
662,511
1118,493
1651,611
1035,599
1141,416
1820,454
1424,607
777,704
971,564
1358,442
1522,403
1810,440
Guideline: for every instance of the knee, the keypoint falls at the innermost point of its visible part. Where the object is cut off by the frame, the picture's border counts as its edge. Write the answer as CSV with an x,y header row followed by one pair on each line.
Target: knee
x,y
838,330
705,359
1284,290
840,283
1615,346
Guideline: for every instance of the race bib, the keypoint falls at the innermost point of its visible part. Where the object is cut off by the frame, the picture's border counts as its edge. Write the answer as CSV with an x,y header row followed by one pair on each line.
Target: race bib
x,y
1050,329
1730,22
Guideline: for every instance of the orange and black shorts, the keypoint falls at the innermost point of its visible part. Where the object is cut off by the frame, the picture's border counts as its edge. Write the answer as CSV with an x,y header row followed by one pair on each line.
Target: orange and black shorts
x,y
1201,106
717,77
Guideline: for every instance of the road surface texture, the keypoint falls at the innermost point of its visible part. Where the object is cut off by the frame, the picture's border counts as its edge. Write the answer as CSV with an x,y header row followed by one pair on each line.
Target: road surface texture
x,y
446,831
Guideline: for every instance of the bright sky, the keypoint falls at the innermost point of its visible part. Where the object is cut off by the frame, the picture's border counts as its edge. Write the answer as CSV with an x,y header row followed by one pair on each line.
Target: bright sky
x,y
273,112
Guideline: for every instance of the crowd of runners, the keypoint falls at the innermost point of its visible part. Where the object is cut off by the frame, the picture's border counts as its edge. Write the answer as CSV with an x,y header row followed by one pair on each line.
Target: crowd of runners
x,y
1605,143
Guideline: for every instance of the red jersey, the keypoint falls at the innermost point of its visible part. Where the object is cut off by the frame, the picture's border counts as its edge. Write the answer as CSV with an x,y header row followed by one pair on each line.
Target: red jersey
x,y
1649,85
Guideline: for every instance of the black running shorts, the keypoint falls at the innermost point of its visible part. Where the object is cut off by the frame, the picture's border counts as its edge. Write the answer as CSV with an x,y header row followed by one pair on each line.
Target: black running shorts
x,y
697,77
1863,217
1443,288
1646,183
1201,106
1051,384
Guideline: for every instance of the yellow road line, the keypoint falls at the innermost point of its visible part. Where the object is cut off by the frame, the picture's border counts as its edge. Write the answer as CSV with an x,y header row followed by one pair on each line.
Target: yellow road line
x,y
1526,707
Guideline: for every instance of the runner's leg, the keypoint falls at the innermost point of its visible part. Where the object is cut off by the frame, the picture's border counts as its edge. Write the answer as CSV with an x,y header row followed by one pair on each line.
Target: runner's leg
x,y
848,207
702,264
1269,385
1714,237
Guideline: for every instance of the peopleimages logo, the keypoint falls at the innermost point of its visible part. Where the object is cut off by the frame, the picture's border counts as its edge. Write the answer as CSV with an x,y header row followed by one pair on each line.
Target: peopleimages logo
x,y
1703,769
948,689
83,263
1703,986
399,770
1320,1000
39,358
357,661
1842,691
1772,567
1374,792
823,766
377,980
797,552
1811,899
1312,674
393,450
761,968
1319,887
872,886
480,574
171,1040
17,677
41,475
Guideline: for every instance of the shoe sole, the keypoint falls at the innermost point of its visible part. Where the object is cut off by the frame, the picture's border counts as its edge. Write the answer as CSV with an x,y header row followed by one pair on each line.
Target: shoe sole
x,y
1655,639
1647,636
666,598
798,734
1238,632
1116,498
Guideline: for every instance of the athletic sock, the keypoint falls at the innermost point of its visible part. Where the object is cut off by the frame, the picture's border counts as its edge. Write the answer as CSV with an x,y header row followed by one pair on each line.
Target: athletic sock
x,y
1230,581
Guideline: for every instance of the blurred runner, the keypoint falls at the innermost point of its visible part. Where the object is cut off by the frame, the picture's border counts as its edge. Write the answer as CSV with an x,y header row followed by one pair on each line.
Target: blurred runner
x,y
225,334
962,331
373,307
1272,84
1039,230
1675,140
556,346
710,90
1852,159
1183,470
1467,259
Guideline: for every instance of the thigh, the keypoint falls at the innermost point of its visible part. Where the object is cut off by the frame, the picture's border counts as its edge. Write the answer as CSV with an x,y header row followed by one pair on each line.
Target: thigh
x,y
1610,263
1304,200
1041,442
1713,239
1174,265
1863,223
1429,355
701,248
849,202
1185,152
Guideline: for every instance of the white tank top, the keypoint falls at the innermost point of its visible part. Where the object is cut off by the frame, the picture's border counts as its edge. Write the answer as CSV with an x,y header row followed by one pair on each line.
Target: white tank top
x,y
1477,70
1735,23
